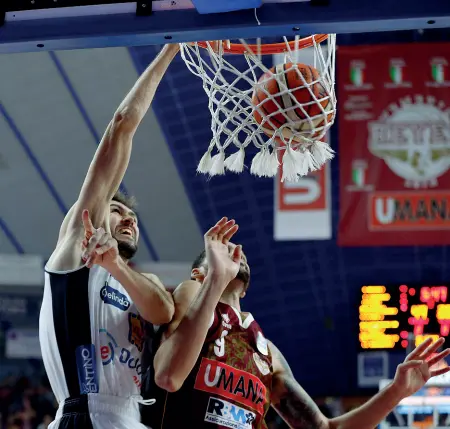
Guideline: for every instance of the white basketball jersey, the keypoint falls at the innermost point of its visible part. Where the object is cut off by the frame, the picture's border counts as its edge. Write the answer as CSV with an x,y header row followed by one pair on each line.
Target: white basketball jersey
x,y
91,335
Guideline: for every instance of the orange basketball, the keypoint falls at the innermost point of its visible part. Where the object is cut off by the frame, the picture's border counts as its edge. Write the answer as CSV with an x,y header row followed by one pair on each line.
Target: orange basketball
x,y
297,105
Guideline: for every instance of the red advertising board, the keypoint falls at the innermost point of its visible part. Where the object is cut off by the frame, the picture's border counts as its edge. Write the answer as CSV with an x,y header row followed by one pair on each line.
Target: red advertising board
x,y
394,144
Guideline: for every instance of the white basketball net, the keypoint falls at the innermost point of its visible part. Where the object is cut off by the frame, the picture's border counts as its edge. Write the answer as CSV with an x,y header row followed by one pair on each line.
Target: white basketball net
x,y
233,124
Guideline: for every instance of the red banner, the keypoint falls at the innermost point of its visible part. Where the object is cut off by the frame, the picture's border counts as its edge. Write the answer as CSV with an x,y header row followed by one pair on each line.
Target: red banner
x,y
394,143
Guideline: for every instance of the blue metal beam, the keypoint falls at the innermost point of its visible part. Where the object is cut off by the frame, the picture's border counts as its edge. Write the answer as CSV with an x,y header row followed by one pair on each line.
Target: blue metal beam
x,y
33,159
125,29
11,237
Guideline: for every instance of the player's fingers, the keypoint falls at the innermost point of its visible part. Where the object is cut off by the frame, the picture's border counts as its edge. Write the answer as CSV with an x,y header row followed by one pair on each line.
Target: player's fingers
x,y
224,228
237,254
103,240
441,371
419,350
229,234
88,227
435,359
100,250
410,364
432,348
89,262
212,232
93,242
88,250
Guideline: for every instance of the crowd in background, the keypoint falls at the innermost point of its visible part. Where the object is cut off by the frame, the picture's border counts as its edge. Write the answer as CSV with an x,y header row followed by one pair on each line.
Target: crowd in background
x,y
26,403
30,404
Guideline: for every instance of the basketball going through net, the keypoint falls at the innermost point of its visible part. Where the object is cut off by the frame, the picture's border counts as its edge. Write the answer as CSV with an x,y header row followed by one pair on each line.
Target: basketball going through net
x,y
288,108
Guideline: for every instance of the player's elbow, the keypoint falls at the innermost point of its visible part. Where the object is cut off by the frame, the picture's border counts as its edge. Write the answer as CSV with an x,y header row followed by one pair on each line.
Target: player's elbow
x,y
165,380
166,375
162,315
126,119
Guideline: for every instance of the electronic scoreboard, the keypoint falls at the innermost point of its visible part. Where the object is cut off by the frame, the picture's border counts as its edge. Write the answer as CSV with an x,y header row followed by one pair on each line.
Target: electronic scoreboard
x,y
392,316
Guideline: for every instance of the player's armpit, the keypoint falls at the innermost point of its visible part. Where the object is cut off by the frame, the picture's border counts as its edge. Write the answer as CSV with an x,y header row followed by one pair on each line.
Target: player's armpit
x,y
289,399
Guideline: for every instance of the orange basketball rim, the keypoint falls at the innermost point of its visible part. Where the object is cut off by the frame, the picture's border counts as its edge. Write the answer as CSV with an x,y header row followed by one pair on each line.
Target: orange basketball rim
x,y
265,49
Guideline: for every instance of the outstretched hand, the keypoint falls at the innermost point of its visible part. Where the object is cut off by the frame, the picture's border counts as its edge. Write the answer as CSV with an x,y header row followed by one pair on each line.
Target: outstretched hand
x,y
222,261
99,247
417,368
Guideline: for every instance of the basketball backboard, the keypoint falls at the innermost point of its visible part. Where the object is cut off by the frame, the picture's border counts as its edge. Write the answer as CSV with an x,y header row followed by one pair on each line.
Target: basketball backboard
x,y
35,25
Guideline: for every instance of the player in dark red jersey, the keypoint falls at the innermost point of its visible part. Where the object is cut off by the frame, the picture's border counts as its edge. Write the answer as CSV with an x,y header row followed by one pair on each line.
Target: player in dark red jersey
x,y
215,369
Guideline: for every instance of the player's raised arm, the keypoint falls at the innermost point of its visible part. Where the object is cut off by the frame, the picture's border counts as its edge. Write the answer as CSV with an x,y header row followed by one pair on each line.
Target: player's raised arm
x,y
109,165
183,342
299,411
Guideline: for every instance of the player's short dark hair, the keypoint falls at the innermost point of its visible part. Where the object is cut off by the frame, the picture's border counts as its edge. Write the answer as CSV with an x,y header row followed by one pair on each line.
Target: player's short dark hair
x,y
199,260
126,200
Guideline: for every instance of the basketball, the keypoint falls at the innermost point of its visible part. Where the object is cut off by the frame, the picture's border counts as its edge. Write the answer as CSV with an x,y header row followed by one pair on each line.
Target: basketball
x,y
290,94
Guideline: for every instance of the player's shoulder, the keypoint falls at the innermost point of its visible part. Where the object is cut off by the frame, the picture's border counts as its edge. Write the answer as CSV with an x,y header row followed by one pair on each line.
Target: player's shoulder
x,y
273,347
186,291
183,296
279,362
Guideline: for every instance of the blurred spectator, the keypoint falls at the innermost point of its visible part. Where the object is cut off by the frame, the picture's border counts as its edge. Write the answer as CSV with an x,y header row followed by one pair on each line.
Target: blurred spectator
x,y
26,403
45,422
29,404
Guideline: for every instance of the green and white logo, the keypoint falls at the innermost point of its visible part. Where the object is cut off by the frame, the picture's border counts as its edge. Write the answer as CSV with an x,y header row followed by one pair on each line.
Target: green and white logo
x,y
357,73
438,72
396,71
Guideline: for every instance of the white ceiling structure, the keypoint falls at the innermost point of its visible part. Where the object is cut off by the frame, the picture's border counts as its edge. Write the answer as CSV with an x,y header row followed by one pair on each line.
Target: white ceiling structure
x,y
54,108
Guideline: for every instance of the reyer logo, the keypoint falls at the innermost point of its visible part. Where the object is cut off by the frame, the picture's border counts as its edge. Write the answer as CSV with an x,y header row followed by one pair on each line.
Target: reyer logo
x,y
112,296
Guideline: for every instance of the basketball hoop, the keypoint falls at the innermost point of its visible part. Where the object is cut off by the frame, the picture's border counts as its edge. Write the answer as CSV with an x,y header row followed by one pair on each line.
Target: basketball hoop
x,y
238,121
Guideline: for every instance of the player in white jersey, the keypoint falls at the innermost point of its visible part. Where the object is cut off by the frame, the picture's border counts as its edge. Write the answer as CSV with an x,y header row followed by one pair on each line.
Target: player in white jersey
x,y
90,326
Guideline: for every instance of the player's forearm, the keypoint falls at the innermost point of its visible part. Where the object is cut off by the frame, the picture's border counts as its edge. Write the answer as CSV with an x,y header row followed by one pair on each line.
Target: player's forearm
x,y
154,303
139,99
369,415
178,354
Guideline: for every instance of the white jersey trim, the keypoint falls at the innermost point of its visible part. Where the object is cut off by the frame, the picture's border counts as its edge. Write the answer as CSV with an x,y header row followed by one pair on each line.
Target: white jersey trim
x,y
51,357
49,271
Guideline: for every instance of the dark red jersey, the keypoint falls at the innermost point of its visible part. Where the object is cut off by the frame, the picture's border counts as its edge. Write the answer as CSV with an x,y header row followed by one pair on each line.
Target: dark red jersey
x,y
230,385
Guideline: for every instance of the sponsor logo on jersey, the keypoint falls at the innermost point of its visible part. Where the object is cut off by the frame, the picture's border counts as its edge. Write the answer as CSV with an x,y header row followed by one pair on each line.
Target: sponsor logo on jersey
x,y
223,413
136,331
108,347
111,352
112,296
87,369
130,361
231,383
